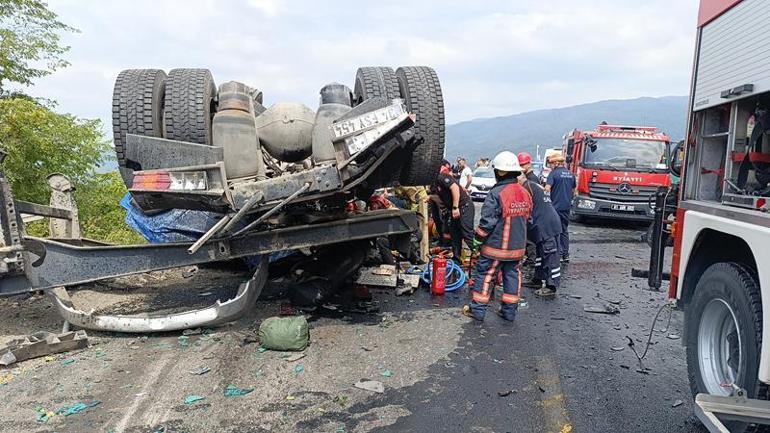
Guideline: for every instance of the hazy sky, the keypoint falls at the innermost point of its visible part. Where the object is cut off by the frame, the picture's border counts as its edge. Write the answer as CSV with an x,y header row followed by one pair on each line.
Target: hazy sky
x,y
493,58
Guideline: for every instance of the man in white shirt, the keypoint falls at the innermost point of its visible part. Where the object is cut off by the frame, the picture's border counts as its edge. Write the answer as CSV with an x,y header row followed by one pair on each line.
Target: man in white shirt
x,y
466,174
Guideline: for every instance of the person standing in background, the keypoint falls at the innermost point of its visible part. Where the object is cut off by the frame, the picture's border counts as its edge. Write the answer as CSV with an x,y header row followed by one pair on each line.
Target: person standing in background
x,y
466,174
561,186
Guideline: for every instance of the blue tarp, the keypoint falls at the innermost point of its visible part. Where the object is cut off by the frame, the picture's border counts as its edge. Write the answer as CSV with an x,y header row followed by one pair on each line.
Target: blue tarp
x,y
174,225
177,225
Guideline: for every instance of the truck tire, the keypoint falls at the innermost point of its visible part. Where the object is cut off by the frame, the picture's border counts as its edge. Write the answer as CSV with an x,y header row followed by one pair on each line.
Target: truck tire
x,y
725,317
373,81
421,91
137,108
189,105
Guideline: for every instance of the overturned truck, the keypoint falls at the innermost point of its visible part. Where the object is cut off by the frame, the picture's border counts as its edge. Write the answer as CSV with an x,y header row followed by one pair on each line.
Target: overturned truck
x,y
278,178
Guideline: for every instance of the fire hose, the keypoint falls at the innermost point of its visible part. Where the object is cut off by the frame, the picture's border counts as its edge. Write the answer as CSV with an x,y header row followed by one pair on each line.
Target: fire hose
x,y
452,269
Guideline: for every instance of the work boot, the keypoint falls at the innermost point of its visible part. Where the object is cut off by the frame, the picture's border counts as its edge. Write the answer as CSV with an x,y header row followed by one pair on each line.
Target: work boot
x,y
546,292
533,283
467,312
507,317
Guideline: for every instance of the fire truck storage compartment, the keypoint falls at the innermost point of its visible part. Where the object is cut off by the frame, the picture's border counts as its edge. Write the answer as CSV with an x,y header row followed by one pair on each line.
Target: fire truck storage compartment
x,y
713,131
722,140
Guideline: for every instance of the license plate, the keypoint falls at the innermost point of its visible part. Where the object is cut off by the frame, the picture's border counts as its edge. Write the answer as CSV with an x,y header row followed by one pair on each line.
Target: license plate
x,y
622,207
348,127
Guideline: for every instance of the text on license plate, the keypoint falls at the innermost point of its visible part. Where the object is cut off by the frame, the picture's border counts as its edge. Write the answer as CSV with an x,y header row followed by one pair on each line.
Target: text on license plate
x,y
622,207
365,121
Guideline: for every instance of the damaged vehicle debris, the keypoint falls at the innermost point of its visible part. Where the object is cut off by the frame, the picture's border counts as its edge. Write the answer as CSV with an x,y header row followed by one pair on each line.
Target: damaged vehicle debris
x,y
267,179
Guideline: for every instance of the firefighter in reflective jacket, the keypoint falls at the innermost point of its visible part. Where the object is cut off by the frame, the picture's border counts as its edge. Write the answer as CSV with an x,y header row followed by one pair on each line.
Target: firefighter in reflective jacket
x,y
544,229
502,237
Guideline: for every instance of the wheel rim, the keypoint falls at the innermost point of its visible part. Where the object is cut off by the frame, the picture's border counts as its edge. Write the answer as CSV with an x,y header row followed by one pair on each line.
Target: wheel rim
x,y
719,348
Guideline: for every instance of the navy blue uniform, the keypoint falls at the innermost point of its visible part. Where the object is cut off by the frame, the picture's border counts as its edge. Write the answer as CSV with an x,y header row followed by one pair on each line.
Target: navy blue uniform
x,y
544,230
562,183
503,231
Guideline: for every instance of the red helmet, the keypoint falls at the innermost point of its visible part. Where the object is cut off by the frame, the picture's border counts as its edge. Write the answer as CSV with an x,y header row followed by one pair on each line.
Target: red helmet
x,y
524,158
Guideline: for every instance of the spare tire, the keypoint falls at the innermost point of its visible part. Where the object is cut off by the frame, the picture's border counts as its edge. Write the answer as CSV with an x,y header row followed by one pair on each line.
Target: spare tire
x,y
137,108
373,81
189,105
421,91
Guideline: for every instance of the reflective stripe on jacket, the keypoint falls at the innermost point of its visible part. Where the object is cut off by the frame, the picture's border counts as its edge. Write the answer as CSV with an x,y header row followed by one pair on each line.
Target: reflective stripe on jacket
x,y
503,225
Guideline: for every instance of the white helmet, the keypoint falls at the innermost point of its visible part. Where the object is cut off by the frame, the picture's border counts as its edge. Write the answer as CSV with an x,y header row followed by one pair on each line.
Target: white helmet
x,y
506,161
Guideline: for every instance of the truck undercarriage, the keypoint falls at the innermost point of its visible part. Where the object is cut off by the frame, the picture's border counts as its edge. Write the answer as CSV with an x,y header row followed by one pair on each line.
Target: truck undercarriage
x,y
279,178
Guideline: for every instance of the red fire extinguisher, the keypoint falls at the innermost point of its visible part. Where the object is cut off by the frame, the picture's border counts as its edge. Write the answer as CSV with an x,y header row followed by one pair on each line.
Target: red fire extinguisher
x,y
438,282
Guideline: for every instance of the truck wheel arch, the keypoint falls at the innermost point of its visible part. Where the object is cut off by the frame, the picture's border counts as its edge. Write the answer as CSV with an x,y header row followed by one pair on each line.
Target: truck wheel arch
x,y
731,249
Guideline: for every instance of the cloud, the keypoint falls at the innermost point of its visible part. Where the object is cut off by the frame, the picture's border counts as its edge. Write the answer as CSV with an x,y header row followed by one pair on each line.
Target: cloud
x,y
493,58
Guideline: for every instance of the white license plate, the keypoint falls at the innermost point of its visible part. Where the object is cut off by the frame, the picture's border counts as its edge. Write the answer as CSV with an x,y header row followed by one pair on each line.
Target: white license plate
x,y
366,121
622,207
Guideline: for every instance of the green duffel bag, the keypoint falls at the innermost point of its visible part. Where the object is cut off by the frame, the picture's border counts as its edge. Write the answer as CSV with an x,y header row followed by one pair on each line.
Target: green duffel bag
x,y
284,333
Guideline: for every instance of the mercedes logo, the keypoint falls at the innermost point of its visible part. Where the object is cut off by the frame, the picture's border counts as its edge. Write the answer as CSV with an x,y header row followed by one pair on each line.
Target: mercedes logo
x,y
625,188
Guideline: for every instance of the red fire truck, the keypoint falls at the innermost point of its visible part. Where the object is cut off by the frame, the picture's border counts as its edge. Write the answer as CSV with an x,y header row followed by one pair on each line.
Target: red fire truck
x,y
722,225
618,169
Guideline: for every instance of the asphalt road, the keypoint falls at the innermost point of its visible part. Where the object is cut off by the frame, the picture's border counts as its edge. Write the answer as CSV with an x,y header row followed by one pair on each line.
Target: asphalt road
x,y
556,369
559,368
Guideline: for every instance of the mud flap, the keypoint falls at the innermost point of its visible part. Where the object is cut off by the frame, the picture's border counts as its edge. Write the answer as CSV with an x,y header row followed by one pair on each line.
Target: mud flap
x,y
220,312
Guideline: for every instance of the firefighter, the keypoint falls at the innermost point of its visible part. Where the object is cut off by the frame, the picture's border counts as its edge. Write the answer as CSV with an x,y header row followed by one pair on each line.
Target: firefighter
x,y
544,229
452,196
501,236
525,160
561,186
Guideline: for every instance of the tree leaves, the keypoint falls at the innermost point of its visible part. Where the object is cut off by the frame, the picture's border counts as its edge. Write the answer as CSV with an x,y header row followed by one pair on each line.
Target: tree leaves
x,y
30,44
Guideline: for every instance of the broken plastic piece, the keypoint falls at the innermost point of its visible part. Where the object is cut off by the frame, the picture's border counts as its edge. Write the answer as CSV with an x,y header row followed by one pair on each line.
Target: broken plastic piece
x,y
234,391
190,399
76,408
42,344
370,385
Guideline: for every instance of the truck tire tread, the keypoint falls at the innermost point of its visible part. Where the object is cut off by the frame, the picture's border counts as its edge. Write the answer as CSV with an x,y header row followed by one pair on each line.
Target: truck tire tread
x,y
421,89
137,108
188,109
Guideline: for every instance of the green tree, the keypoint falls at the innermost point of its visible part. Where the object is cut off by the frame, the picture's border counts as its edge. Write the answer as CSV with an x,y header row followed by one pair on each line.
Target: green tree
x,y
30,42
101,216
40,142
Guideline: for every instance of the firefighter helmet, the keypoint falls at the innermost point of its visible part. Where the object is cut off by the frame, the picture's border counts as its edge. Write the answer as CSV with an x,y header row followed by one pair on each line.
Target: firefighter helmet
x,y
506,161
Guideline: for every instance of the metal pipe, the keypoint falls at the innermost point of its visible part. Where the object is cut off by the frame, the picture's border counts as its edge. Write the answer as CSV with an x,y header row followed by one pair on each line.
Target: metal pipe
x,y
208,235
272,211
242,211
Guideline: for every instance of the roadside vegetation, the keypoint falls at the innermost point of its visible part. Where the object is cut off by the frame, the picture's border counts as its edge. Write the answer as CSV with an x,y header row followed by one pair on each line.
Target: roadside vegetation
x,y
41,141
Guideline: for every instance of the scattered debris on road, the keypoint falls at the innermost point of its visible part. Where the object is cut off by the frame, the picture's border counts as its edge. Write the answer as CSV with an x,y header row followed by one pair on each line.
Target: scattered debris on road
x,y
201,371
234,391
370,385
677,403
41,344
605,309
190,399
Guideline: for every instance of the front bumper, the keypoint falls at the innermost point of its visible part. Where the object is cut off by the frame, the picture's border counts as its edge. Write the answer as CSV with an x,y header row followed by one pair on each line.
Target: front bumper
x,y
599,208
478,195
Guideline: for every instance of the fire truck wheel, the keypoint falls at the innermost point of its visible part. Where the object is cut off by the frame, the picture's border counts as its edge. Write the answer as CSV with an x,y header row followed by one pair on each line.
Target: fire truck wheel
x,y
421,90
723,330
189,105
137,108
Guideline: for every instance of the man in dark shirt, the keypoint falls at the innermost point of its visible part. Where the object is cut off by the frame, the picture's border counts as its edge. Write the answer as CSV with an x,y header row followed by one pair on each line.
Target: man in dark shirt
x,y
561,186
544,229
454,197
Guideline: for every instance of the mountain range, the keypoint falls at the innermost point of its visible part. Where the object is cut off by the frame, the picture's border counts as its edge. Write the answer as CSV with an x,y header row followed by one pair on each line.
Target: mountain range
x,y
486,137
